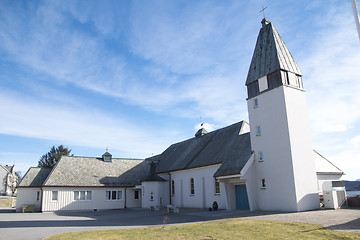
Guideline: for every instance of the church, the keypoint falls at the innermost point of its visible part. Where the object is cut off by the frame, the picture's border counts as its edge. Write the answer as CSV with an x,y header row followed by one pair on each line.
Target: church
x,y
266,164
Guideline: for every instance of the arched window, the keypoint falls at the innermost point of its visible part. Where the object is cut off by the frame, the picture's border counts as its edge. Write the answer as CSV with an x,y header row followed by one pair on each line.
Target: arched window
x,y
192,187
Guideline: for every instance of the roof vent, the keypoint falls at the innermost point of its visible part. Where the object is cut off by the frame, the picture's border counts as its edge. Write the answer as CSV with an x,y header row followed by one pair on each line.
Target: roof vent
x,y
107,157
201,132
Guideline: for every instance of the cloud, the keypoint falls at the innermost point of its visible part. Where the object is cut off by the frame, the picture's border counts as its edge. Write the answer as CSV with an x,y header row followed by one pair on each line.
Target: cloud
x,y
75,126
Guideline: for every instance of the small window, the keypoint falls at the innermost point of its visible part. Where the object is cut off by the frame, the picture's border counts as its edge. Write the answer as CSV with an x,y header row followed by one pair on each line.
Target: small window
x,y
256,103
54,196
82,195
192,187
38,196
263,183
136,194
261,156
108,193
151,196
258,130
172,187
113,195
76,195
119,195
217,187
88,195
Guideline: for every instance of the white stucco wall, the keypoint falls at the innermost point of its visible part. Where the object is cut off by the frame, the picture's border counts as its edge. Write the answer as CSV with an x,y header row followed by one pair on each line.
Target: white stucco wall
x,y
160,191
66,200
27,196
204,184
288,167
325,178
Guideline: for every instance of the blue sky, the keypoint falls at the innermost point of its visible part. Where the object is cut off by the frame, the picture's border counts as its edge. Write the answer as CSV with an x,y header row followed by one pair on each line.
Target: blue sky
x,y
136,76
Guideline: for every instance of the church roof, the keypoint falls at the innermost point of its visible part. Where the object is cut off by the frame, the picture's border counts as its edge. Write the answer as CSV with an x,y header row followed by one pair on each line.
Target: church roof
x,y
35,177
270,54
94,172
224,146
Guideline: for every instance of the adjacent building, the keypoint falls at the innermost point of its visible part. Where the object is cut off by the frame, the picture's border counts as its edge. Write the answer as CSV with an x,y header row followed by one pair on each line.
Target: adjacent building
x,y
8,180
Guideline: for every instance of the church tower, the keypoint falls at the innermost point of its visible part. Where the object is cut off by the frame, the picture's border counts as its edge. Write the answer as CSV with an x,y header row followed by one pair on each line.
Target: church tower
x,y
285,172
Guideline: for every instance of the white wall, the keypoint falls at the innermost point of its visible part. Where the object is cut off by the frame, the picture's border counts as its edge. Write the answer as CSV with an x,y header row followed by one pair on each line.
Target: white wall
x,y
204,183
325,178
27,196
66,200
288,167
160,191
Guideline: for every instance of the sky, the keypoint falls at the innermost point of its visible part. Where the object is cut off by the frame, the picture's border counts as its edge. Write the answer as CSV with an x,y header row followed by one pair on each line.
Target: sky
x,y
137,76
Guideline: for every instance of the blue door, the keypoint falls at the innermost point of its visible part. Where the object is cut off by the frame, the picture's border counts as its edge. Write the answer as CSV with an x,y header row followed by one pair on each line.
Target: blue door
x,y
242,201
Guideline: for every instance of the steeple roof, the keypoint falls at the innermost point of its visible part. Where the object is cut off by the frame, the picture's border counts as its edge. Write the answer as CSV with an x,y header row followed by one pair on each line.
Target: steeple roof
x,y
270,54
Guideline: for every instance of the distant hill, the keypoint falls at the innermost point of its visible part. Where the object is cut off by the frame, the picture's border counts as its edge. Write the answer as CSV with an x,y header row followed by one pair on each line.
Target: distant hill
x,y
352,185
357,179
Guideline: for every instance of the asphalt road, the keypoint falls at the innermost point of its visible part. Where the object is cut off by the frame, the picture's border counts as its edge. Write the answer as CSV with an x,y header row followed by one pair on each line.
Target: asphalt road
x,y
41,225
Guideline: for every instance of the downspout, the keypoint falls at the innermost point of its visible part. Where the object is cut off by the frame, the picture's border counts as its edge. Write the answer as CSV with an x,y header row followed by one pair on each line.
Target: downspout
x,y
125,199
170,182
41,198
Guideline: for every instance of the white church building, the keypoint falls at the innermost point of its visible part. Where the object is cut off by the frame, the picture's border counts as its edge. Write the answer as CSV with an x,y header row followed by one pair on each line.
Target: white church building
x,y
266,164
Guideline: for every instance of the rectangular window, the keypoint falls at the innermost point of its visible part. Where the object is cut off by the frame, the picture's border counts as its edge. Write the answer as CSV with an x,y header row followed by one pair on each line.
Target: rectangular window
x,y
192,186
119,195
54,196
173,187
76,195
258,130
256,103
88,195
113,195
151,196
136,194
217,187
261,156
108,193
38,196
82,195
263,183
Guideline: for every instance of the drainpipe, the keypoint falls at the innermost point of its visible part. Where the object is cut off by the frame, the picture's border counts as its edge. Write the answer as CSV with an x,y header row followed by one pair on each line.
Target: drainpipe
x,y
125,199
170,187
41,198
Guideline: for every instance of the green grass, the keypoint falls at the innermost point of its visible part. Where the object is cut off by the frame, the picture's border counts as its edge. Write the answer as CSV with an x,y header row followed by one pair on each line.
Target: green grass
x,y
224,229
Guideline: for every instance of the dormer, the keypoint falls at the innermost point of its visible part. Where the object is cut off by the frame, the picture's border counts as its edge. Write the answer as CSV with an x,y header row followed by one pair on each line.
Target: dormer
x,y
200,132
107,157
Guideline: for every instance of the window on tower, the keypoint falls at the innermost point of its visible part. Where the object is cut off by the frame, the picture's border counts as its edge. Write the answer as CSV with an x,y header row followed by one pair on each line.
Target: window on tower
x,y
263,183
261,156
258,130
256,103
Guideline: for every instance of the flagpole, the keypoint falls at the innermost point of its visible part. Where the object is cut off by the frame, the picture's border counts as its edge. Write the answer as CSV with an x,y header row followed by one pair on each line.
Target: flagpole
x,y
356,16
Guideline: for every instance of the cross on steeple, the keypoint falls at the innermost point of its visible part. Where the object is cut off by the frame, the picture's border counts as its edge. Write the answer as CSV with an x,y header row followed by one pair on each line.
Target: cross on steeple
x,y
263,10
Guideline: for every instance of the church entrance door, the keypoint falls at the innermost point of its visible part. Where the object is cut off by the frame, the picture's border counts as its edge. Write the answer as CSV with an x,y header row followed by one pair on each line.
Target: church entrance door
x,y
242,201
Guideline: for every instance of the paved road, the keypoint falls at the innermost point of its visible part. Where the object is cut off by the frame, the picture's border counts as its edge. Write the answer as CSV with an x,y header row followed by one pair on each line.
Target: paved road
x,y
41,225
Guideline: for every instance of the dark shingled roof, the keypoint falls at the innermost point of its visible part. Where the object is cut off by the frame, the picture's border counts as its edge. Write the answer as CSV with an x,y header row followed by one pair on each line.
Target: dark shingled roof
x,y
225,146
94,172
270,54
35,177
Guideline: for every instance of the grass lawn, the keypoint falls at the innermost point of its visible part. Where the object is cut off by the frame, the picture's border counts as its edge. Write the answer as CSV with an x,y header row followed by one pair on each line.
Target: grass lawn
x,y
4,202
224,229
